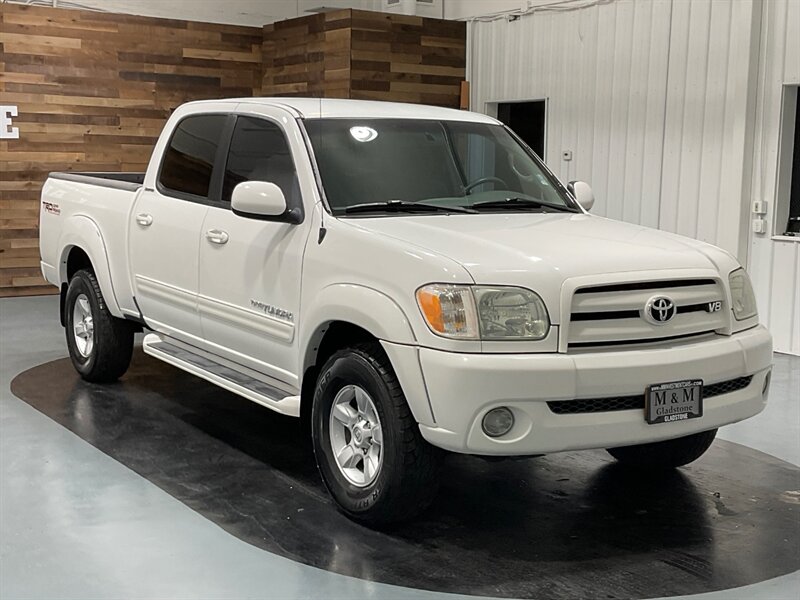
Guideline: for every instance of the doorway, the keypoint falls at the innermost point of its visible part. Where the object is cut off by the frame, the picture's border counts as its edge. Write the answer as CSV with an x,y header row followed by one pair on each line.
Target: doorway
x,y
527,119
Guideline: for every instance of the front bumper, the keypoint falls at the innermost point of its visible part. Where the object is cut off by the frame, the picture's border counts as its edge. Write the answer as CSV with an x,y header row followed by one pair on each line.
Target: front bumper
x,y
463,387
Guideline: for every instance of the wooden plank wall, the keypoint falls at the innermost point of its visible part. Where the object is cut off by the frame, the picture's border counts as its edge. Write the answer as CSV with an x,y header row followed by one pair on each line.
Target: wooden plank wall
x,y
366,55
407,59
308,56
93,91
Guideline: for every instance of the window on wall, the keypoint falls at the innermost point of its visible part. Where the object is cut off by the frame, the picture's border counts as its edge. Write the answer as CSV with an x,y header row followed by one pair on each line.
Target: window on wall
x,y
793,226
189,159
787,203
260,152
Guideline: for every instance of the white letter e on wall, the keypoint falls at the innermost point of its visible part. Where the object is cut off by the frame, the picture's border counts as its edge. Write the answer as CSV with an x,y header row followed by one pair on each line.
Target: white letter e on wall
x,y
7,132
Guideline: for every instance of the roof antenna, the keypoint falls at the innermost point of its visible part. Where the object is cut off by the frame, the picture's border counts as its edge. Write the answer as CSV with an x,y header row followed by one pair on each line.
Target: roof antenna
x,y
322,230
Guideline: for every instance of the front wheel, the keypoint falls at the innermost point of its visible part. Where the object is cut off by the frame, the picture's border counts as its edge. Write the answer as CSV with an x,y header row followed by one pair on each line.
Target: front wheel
x,y
100,345
367,444
667,454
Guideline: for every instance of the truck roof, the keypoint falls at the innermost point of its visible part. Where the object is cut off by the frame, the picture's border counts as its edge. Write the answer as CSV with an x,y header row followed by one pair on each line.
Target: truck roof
x,y
318,108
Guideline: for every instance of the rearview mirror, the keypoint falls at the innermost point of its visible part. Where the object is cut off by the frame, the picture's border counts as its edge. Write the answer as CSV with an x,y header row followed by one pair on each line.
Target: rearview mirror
x,y
583,193
262,200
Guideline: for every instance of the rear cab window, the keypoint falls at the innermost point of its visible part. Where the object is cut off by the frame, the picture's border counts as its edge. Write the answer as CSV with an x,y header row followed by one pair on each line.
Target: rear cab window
x,y
188,162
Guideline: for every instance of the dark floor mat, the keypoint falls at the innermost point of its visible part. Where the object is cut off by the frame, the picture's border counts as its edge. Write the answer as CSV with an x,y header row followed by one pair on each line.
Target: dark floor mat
x,y
564,526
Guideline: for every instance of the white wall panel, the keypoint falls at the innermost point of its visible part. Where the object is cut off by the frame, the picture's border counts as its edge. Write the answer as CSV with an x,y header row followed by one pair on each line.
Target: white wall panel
x,y
652,98
775,264
464,9
603,71
783,303
706,168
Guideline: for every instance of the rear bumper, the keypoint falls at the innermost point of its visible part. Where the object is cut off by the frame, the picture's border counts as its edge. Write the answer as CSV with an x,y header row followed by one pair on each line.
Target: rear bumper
x,y
463,387
49,272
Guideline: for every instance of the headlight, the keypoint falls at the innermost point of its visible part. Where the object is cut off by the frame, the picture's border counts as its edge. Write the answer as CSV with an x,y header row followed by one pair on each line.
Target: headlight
x,y
742,295
508,313
488,313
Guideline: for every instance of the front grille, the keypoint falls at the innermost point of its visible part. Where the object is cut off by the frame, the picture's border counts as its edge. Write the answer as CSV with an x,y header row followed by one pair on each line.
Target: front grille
x,y
643,341
614,314
726,387
596,405
644,285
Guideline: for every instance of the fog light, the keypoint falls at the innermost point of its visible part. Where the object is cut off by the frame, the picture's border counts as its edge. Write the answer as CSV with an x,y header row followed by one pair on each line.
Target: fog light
x,y
497,422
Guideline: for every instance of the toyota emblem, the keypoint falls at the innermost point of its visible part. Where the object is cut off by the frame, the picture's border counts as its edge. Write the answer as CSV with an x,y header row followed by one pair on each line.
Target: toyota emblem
x,y
659,310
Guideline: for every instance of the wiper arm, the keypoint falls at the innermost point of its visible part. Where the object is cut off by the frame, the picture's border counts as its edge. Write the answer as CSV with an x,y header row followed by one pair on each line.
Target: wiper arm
x,y
403,206
515,203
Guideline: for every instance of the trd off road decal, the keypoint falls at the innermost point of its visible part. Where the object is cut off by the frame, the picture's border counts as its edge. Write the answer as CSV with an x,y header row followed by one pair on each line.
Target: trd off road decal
x,y
53,209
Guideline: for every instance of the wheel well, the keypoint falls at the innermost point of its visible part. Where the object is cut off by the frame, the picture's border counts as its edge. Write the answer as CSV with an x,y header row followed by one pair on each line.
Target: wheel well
x,y
77,260
324,343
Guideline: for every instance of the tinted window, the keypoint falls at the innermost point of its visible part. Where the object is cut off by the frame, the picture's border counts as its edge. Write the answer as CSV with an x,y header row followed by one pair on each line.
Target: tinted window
x,y
445,162
489,153
259,152
189,159
372,161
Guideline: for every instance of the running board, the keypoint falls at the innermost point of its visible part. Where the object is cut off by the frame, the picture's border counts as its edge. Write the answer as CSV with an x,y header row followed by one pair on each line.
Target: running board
x,y
221,375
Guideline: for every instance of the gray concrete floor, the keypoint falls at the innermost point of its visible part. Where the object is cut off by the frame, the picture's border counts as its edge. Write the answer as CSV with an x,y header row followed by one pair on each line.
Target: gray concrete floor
x,y
74,523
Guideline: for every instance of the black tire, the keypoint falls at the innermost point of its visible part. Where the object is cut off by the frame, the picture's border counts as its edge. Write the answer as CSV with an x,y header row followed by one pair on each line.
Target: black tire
x,y
408,478
667,454
112,348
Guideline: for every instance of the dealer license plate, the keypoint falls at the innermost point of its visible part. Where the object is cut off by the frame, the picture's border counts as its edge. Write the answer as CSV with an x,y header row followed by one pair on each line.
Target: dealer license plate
x,y
675,401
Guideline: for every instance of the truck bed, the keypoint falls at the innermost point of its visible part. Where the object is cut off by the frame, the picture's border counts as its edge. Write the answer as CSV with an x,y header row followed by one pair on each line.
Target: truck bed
x,y
96,210
129,181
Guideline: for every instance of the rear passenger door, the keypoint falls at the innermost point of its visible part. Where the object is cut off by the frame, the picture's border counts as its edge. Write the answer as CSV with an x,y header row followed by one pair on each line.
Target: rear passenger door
x,y
164,229
249,288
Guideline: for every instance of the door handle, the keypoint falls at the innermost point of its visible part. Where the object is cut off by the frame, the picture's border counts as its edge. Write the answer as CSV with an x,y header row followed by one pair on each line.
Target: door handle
x,y
217,236
144,219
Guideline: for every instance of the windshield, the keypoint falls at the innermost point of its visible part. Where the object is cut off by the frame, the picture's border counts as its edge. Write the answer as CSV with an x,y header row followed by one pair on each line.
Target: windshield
x,y
442,163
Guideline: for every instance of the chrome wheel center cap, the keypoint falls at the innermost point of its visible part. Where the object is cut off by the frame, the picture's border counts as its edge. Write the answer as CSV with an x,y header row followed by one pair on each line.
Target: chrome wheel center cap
x,y
361,435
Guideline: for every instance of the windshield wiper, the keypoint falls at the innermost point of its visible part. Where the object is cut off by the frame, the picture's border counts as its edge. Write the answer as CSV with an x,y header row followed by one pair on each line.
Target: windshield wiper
x,y
403,206
515,203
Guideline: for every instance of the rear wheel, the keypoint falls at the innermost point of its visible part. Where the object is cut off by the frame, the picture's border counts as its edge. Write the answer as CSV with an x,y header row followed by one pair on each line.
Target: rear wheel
x,y
367,444
100,345
667,454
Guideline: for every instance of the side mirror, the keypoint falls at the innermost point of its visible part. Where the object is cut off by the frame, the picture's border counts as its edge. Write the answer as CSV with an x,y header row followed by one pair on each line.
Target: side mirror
x,y
583,193
263,200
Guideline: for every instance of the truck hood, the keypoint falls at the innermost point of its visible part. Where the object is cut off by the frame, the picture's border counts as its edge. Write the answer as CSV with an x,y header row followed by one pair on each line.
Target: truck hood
x,y
541,251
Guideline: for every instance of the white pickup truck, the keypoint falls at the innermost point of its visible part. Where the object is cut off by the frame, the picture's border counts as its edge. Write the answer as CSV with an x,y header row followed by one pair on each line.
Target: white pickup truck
x,y
409,279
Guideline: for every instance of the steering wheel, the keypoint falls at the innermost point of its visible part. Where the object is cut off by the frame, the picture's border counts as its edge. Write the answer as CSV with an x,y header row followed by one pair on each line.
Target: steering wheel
x,y
512,163
483,180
